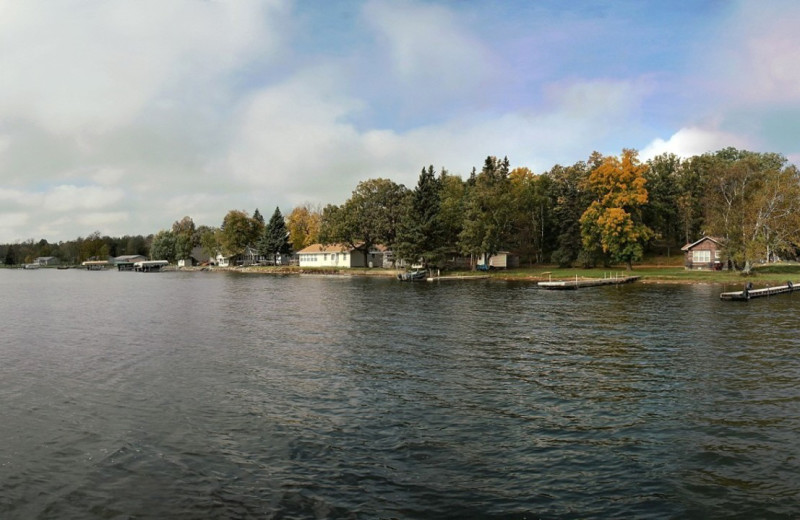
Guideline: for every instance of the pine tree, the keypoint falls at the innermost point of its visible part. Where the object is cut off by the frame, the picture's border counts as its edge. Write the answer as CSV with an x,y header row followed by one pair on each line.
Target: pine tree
x,y
421,234
275,240
258,217
11,257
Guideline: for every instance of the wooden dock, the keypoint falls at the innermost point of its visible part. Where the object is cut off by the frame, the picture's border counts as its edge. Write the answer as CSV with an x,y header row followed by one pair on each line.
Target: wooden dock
x,y
580,283
748,292
457,277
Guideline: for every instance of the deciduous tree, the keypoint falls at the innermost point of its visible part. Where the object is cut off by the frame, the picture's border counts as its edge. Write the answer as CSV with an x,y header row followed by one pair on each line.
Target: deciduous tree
x,y
613,221
303,225
370,216
163,246
753,203
238,231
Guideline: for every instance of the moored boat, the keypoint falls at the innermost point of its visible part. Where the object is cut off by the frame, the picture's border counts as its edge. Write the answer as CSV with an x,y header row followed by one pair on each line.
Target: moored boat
x,y
413,276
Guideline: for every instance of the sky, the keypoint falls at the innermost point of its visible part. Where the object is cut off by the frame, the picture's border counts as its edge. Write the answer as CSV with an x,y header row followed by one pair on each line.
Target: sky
x,y
123,116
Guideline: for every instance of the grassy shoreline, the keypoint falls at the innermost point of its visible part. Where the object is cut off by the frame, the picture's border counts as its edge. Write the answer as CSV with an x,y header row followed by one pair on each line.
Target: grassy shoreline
x,y
656,274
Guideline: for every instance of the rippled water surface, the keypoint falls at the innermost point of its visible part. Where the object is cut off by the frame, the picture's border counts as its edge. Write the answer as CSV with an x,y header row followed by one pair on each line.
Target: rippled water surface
x,y
214,395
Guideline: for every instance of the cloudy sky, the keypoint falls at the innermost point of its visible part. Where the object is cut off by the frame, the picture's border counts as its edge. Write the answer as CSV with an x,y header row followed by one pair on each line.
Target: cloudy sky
x,y
124,116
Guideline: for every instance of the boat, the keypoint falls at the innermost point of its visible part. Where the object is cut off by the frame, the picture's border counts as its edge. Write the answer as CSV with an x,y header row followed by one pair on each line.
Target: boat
x,y
31,266
413,276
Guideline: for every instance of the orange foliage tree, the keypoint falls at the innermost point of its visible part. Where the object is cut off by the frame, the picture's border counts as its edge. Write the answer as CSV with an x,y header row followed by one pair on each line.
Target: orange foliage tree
x,y
613,222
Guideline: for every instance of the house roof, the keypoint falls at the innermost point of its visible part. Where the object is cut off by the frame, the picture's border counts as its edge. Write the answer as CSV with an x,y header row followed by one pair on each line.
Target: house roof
x,y
687,247
337,248
330,248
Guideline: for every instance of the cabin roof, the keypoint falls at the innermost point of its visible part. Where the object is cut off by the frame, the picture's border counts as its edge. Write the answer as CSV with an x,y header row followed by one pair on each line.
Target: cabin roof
x,y
338,248
688,247
330,248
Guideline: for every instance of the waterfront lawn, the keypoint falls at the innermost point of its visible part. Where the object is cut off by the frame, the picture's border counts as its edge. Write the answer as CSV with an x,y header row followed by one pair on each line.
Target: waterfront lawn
x,y
774,274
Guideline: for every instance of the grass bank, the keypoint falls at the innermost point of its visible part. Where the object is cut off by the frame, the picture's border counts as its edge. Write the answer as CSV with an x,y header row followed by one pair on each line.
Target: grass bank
x,y
763,275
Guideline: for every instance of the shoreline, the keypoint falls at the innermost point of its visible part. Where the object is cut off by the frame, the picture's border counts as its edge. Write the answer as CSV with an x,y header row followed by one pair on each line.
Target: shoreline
x,y
654,275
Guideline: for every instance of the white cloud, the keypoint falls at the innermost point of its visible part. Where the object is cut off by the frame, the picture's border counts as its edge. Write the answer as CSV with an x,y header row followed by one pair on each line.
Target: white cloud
x,y
294,139
428,58
596,98
757,54
94,66
63,199
426,43
690,141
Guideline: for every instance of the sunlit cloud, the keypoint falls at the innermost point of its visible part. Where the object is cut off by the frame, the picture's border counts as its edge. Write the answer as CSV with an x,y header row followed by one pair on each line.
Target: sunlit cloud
x,y
687,142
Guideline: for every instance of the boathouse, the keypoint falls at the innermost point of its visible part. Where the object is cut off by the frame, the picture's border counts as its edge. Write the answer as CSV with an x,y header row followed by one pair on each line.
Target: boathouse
x,y
705,253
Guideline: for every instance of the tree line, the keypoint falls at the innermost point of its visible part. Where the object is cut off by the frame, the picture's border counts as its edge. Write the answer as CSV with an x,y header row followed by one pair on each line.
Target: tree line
x,y
608,209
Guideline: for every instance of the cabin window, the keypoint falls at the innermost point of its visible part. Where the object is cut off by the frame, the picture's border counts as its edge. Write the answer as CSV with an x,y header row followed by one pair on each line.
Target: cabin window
x,y
717,255
701,257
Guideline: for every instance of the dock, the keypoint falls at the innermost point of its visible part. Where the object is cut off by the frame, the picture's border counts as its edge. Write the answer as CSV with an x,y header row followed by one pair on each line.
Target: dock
x,y
95,265
580,283
150,266
457,277
749,293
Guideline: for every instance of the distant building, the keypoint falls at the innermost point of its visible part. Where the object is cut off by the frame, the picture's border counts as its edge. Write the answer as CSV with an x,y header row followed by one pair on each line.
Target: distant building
x,y
46,260
501,260
129,259
197,257
705,253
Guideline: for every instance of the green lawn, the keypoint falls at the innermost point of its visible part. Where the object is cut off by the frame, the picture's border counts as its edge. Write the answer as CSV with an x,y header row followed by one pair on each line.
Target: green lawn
x,y
775,274
771,274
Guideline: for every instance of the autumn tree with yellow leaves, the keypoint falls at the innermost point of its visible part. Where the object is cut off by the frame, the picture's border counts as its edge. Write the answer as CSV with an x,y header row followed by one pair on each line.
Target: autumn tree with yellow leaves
x,y
612,224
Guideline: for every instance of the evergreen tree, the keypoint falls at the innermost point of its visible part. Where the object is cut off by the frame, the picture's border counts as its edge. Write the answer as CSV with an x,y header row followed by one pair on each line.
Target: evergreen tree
x,y
258,217
568,200
487,211
275,240
11,257
421,234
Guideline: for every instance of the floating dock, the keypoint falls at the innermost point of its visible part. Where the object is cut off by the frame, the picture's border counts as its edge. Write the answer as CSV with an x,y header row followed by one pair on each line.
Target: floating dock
x,y
749,293
580,283
457,277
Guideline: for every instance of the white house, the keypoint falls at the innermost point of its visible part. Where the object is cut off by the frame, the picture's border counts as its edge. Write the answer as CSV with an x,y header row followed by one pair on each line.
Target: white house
x,y
338,255
46,260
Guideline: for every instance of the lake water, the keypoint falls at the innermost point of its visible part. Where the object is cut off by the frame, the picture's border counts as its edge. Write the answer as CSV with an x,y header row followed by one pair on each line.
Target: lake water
x,y
221,395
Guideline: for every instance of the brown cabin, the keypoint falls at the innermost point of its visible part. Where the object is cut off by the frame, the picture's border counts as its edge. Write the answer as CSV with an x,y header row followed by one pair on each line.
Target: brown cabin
x,y
705,253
